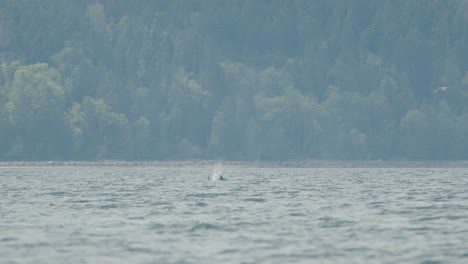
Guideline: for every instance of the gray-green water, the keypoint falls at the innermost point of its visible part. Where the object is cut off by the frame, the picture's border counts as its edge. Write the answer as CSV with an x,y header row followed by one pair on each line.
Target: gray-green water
x,y
173,214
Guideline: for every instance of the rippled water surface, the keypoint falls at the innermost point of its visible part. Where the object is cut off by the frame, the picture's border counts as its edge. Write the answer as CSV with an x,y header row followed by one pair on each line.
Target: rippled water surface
x,y
258,215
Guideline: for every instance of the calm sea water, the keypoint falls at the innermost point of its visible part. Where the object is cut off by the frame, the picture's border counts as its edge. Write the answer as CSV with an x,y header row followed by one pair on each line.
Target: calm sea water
x,y
258,215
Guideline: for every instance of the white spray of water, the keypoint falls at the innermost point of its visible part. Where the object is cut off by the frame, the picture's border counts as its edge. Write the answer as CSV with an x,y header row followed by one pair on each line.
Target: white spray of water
x,y
217,171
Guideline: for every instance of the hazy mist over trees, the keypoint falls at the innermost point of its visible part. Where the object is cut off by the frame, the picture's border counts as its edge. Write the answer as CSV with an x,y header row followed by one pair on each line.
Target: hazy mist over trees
x,y
234,79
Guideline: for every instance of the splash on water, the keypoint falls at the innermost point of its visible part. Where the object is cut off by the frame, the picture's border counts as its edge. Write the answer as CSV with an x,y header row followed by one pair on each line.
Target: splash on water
x,y
217,172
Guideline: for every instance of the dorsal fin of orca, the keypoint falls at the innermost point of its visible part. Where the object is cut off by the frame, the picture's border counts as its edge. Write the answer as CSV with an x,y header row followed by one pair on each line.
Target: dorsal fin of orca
x,y
219,177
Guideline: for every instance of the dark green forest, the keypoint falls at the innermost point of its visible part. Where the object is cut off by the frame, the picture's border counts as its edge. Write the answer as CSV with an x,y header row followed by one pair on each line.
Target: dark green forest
x,y
234,79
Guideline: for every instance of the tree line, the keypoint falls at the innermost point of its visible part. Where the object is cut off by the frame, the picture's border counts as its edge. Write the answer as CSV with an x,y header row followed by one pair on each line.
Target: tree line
x,y
252,80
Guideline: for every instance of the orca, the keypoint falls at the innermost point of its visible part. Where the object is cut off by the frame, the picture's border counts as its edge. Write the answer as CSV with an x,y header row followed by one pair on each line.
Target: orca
x,y
220,178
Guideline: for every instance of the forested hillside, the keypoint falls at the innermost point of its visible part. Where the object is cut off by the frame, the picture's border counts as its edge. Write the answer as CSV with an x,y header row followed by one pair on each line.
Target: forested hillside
x,y
234,79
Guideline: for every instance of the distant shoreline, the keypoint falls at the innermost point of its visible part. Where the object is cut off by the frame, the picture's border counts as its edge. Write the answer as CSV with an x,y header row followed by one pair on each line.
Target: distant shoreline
x,y
260,164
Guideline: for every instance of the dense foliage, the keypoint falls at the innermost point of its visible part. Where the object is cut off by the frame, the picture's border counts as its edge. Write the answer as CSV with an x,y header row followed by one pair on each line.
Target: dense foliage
x,y
237,79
